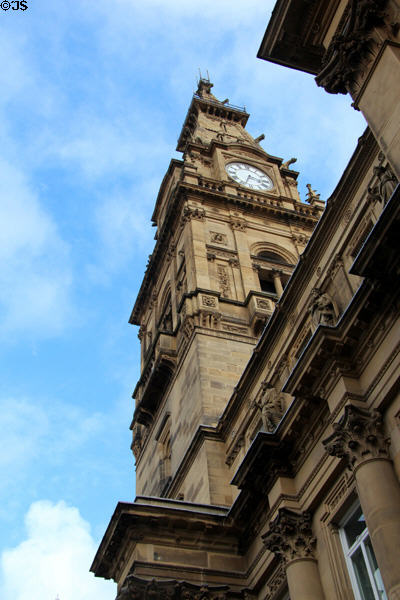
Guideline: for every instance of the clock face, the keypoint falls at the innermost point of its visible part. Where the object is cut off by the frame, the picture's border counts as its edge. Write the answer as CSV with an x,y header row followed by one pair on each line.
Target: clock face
x,y
249,176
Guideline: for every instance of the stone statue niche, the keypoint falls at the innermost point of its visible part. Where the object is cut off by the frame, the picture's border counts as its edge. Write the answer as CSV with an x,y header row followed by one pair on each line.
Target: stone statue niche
x,y
271,404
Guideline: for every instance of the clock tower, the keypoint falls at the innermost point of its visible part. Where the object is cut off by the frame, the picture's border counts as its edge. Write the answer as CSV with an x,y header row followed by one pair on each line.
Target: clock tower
x,y
230,229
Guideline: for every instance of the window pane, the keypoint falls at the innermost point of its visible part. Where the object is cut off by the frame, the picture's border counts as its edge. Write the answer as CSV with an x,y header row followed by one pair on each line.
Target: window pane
x,y
361,574
354,527
375,569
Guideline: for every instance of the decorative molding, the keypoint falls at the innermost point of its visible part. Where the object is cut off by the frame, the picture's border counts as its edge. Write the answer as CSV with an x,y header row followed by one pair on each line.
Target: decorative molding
x,y
290,536
264,304
341,490
227,254
135,588
223,279
188,327
335,266
276,582
190,213
209,301
218,238
235,329
358,437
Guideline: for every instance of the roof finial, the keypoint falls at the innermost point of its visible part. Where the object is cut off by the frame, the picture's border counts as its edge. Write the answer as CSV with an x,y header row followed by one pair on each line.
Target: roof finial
x,y
204,86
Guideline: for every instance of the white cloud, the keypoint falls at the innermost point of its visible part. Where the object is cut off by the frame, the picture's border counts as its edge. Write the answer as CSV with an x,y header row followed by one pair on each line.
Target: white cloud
x,y
35,275
124,228
62,427
54,558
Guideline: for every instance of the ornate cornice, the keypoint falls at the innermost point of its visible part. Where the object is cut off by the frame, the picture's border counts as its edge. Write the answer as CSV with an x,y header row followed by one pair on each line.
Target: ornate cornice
x,y
290,536
135,588
358,437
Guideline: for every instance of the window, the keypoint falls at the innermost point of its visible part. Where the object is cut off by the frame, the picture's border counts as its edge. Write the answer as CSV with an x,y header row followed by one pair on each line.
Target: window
x,y
266,282
363,568
272,257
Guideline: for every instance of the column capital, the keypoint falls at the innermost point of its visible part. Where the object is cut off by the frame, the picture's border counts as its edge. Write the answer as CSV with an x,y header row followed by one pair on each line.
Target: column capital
x,y
358,437
290,536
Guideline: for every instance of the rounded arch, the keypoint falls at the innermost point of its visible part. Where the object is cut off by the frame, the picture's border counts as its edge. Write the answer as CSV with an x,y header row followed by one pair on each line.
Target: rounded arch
x,y
273,252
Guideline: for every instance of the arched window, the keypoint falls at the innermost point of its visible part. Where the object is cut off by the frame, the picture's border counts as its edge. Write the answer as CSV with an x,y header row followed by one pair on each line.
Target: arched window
x,y
272,256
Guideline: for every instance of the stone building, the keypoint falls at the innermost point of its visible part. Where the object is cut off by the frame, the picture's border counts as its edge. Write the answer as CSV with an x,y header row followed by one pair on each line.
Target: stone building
x,y
266,428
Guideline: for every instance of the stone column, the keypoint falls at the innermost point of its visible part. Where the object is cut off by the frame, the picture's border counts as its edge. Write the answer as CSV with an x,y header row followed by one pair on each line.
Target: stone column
x,y
359,438
277,282
290,538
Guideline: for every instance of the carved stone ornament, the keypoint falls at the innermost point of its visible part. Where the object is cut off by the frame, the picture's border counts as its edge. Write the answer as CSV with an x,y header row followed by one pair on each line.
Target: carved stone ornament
x,y
321,309
312,195
358,437
139,436
218,238
276,582
190,213
188,326
208,301
351,46
386,184
238,224
223,279
290,536
140,589
271,404
264,303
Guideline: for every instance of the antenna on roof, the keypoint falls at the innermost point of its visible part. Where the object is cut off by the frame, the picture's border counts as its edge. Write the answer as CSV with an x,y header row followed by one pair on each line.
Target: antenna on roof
x,y
208,76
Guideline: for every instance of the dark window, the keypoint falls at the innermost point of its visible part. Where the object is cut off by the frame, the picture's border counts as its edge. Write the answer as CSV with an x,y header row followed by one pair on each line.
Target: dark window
x,y
272,256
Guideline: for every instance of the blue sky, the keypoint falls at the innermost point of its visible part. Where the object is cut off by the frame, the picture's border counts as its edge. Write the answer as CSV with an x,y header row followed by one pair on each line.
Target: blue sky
x,y
93,96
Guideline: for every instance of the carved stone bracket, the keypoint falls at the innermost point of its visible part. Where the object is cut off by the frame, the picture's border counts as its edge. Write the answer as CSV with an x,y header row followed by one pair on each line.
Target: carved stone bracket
x,y
358,437
238,224
234,262
210,320
290,536
190,213
351,46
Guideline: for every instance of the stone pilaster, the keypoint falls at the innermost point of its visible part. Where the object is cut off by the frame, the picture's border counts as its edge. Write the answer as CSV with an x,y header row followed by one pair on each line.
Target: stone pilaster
x,y
290,538
359,438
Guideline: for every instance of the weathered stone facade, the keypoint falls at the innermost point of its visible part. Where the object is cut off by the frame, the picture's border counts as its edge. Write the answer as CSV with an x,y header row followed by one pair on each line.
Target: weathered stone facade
x,y
266,421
